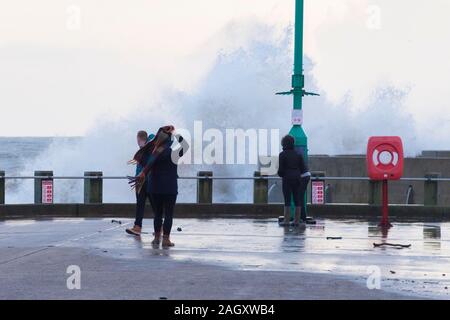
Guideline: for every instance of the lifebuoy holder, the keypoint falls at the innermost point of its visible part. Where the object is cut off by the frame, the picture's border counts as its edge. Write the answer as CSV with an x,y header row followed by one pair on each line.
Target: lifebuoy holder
x,y
384,159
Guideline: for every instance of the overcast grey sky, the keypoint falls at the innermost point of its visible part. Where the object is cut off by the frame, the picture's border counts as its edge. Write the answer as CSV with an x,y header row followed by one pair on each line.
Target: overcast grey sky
x,y
64,63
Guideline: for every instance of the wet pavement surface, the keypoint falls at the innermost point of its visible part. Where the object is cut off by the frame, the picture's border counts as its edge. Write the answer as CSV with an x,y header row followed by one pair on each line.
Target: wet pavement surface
x,y
257,247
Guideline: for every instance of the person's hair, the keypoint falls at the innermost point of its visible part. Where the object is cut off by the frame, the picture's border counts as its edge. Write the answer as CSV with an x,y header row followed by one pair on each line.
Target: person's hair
x,y
288,142
142,135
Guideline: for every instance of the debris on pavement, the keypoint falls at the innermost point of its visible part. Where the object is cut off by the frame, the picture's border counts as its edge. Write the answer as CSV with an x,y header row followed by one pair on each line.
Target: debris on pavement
x,y
399,246
334,238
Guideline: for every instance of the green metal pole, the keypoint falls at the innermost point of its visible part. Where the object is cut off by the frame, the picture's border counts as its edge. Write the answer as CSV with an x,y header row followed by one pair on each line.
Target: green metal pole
x,y
298,44
298,92
298,83
298,79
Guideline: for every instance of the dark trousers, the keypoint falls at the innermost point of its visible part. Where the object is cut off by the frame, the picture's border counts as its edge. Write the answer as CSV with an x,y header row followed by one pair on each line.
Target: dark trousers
x,y
141,198
303,185
291,192
163,205
294,190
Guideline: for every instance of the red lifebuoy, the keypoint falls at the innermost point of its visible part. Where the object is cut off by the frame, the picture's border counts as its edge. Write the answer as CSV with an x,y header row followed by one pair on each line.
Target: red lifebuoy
x,y
385,158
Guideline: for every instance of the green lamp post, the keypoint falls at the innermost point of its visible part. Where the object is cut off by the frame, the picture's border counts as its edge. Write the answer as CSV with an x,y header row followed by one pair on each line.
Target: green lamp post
x,y
298,92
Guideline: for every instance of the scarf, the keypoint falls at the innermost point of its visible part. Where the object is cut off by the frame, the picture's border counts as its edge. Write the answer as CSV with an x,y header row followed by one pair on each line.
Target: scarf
x,y
147,155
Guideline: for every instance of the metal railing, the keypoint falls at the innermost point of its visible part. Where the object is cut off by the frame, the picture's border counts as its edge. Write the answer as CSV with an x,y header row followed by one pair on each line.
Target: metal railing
x,y
93,185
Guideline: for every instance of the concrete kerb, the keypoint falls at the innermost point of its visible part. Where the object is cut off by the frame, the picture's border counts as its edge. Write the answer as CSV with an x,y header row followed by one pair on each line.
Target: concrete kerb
x,y
216,210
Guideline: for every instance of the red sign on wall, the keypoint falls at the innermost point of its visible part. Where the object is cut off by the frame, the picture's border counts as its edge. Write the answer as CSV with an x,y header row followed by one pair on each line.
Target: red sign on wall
x,y
318,192
47,191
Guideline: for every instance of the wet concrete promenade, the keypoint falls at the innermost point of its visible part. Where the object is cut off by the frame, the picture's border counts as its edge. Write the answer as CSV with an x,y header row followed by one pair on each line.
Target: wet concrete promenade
x,y
223,259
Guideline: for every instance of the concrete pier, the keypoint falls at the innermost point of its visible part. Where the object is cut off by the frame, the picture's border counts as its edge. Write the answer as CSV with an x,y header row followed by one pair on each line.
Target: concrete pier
x,y
358,191
222,259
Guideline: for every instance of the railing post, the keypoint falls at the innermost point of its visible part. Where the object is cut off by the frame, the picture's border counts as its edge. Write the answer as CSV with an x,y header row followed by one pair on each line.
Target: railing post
x,y
375,192
328,193
260,189
410,194
2,187
430,190
204,187
93,187
38,184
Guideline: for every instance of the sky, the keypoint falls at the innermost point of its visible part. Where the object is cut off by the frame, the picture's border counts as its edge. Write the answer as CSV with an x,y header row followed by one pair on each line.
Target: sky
x,y
65,64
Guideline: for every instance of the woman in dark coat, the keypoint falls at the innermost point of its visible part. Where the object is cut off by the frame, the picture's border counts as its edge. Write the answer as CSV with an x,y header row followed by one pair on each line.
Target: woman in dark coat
x,y
163,188
295,174
161,165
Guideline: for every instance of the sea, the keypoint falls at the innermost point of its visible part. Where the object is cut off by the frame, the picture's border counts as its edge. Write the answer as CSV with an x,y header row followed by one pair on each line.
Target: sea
x,y
15,152
18,155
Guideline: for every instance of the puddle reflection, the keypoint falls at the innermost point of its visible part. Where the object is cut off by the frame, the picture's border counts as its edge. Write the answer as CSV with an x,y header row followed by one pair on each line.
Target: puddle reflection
x,y
432,237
